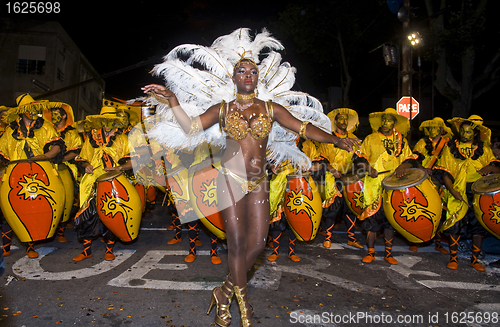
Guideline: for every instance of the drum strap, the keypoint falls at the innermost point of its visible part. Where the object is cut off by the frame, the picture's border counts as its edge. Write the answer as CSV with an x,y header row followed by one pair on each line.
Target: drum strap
x,y
437,152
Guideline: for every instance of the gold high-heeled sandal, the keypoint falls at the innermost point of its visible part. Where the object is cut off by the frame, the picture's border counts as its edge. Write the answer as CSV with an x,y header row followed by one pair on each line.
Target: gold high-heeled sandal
x,y
241,296
224,318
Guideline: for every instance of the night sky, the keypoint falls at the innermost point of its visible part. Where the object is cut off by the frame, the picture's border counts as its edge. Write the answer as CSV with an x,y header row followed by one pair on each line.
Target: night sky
x,y
114,35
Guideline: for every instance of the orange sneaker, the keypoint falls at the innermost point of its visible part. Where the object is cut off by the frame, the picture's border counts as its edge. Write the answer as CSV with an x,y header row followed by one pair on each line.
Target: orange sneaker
x,y
198,243
327,244
61,239
215,260
81,257
109,256
273,257
171,227
441,249
370,256
69,225
190,258
294,258
336,226
32,254
391,260
413,248
452,265
477,266
356,244
174,241
6,253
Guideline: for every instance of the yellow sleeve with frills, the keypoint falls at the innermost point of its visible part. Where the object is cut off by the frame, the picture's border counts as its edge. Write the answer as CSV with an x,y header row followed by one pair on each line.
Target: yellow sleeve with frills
x,y
73,140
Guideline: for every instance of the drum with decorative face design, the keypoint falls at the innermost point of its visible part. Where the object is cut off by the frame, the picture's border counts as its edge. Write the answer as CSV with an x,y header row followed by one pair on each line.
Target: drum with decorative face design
x,y
203,196
302,206
412,205
487,202
118,205
69,190
32,199
352,189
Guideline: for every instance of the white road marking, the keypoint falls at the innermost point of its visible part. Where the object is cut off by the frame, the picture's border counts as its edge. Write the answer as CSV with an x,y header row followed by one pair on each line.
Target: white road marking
x,y
31,269
458,285
134,277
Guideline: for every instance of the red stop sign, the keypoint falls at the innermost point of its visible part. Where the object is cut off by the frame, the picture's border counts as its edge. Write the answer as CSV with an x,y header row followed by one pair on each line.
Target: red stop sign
x,y
408,107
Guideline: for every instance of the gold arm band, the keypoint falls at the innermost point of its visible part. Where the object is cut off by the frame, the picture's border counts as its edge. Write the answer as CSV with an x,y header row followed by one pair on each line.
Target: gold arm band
x,y
302,130
195,125
159,98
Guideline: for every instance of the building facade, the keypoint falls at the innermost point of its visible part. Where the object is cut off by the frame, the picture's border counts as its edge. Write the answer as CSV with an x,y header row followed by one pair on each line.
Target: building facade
x,y
39,57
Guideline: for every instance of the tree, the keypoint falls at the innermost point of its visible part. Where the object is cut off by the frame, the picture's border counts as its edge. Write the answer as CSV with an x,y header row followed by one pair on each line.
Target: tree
x,y
467,64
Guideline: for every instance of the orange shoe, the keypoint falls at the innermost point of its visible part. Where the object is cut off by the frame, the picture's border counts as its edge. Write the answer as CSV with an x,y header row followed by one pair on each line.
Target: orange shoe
x,y
370,256
336,226
6,253
81,257
109,256
61,239
171,227
273,257
356,244
441,249
174,241
32,254
477,266
413,248
198,243
327,244
190,258
391,260
294,258
452,265
215,260
69,225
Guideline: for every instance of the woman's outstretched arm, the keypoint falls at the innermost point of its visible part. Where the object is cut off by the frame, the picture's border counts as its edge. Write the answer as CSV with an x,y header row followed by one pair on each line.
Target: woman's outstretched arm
x,y
288,121
188,124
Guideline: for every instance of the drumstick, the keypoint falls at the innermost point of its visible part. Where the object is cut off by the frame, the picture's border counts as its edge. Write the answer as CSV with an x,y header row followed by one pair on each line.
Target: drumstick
x,y
384,172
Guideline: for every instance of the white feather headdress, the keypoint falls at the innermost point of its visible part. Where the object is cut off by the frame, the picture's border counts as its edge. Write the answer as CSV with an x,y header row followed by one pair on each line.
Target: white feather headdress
x,y
201,76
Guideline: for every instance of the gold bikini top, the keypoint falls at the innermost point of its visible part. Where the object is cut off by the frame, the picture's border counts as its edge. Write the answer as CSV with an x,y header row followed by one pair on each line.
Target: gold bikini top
x,y
237,127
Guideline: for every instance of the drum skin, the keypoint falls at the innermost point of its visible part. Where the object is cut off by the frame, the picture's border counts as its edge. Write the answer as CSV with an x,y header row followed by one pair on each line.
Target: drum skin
x,y
302,206
178,184
32,199
487,203
119,205
353,194
203,196
68,184
415,211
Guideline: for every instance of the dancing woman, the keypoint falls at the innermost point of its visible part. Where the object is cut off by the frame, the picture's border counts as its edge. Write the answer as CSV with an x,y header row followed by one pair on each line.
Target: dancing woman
x,y
246,124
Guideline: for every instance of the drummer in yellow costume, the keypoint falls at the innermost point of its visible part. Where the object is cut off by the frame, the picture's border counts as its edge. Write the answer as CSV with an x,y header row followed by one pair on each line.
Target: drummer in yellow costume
x,y
63,120
6,229
467,158
30,136
429,149
344,124
278,223
105,148
385,150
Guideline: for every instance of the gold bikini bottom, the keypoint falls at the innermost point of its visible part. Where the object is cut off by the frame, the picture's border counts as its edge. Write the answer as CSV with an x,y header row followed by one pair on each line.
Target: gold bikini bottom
x,y
246,185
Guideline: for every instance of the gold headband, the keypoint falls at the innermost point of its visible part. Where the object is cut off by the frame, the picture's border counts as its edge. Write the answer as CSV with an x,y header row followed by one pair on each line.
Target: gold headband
x,y
243,59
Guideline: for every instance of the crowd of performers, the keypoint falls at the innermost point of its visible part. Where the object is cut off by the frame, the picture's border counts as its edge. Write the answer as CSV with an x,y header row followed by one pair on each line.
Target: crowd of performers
x,y
453,160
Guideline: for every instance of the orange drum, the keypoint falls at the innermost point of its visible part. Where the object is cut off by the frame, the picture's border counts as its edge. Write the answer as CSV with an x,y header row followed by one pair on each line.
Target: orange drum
x,y
412,205
353,192
487,202
203,195
67,180
141,190
32,199
119,205
302,206
177,180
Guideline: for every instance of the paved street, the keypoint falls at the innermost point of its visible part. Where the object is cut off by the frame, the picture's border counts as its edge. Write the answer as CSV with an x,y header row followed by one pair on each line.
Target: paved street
x,y
149,284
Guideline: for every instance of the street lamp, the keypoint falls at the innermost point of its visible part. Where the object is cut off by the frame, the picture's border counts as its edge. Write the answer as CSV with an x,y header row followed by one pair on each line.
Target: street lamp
x,y
415,39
